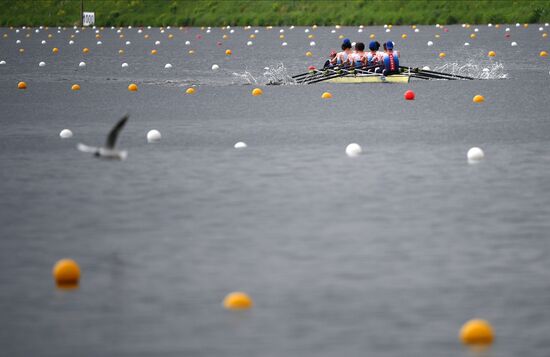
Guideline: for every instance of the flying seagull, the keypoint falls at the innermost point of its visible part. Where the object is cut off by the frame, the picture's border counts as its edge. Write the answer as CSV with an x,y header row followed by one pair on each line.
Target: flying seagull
x,y
108,152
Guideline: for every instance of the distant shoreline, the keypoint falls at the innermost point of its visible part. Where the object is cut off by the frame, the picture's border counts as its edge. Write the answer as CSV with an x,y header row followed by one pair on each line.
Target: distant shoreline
x,y
273,12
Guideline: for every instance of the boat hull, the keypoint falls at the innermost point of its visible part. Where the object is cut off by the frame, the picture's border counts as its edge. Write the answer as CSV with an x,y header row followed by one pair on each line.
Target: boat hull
x,y
370,78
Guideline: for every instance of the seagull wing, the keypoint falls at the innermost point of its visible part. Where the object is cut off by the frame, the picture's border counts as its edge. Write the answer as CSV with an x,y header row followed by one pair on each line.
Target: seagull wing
x,y
86,148
113,134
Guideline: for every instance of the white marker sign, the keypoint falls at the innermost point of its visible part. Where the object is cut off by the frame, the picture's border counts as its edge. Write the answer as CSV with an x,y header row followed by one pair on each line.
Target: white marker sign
x,y
88,18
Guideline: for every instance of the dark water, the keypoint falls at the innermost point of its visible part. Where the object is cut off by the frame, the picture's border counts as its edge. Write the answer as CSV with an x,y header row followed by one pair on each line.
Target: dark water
x,y
386,254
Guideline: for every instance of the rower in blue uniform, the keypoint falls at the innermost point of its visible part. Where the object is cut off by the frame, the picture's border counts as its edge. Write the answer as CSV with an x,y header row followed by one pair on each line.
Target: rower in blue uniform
x,y
390,60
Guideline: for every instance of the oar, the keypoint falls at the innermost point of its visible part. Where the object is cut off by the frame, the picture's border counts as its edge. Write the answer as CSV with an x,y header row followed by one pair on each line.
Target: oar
x,y
441,75
447,74
324,73
344,72
314,70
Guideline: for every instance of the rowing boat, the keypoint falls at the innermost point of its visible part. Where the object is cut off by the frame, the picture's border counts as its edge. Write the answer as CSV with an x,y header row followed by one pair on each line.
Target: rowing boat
x,y
370,78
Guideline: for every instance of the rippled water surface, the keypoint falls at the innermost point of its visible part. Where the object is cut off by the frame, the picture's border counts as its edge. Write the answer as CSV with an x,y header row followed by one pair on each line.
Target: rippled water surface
x,y
385,254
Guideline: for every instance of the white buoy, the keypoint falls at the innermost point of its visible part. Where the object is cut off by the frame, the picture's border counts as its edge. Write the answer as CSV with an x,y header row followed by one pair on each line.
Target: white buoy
x,y
232,31
514,44
128,43
215,67
82,64
41,64
476,30
485,70
489,25
332,31
426,68
518,25
153,136
43,42
360,30
416,30
240,145
281,30
388,30
2,62
353,150
140,31
71,42
65,134
167,66
306,30
430,43
124,65
99,43
466,44
507,29
284,44
157,43
18,41
475,154
249,43
256,31
312,43
187,43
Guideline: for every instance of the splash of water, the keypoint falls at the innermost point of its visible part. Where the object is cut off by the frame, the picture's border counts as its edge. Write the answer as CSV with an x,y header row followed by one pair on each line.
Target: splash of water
x,y
475,69
276,74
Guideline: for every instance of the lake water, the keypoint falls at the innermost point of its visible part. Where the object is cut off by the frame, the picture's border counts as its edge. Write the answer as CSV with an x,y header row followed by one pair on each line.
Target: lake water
x,y
385,254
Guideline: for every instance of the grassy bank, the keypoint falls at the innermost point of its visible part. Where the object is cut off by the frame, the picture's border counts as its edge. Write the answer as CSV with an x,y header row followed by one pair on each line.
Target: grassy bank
x,y
272,12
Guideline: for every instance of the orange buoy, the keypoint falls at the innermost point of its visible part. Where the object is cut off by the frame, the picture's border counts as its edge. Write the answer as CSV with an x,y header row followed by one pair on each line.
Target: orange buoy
x,y
190,90
133,87
476,332
228,52
22,85
543,54
237,301
257,92
326,95
85,50
75,87
66,272
154,52
492,54
478,99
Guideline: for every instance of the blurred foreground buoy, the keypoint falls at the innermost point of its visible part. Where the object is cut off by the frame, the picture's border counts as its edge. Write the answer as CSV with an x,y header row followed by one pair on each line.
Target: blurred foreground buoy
x,y
353,150
240,145
257,92
65,134
66,273
476,332
237,301
153,136
475,154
